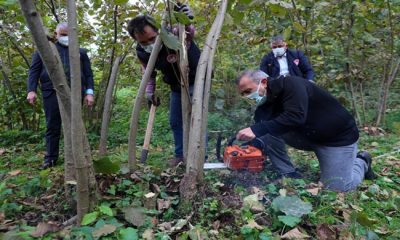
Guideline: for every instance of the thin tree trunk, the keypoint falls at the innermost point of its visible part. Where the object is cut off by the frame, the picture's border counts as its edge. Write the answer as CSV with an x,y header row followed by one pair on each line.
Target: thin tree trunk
x,y
196,151
77,126
52,62
185,96
107,107
132,161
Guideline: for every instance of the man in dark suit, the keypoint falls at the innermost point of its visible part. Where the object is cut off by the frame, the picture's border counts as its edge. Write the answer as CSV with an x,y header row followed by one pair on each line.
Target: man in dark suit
x,y
289,108
282,61
143,31
37,71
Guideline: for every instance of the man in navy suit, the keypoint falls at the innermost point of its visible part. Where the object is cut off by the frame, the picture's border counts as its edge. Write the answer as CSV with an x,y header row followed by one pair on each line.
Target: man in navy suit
x,y
38,71
286,62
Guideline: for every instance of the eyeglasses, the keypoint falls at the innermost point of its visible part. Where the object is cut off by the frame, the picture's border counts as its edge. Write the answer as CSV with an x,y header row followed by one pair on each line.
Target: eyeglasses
x,y
277,46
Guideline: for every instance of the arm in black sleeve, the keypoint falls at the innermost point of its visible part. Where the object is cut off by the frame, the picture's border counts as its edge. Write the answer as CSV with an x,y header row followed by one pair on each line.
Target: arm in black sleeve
x,y
34,72
87,71
264,64
295,107
305,67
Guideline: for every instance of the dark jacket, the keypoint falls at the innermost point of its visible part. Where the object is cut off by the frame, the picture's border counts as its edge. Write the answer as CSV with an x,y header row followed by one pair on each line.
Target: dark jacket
x,y
297,105
38,71
298,65
167,62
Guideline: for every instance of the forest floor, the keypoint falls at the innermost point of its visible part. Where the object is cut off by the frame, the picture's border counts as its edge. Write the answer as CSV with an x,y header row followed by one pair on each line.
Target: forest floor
x,y
229,205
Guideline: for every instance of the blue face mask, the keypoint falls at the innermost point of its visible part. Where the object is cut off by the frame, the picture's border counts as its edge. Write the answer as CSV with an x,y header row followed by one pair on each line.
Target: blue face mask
x,y
260,100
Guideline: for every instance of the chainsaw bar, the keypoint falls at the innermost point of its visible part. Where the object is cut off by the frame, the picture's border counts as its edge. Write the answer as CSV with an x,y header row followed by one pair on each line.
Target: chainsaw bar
x,y
215,165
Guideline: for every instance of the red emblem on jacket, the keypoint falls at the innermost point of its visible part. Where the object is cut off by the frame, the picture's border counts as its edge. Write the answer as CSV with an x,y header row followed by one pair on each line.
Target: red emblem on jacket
x,y
172,58
296,61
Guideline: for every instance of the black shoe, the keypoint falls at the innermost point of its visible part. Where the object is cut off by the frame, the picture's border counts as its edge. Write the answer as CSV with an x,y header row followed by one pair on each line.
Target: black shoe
x,y
364,155
48,164
295,175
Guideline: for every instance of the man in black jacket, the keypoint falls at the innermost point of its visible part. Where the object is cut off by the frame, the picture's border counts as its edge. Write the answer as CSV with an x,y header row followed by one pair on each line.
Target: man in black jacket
x,y
37,71
290,109
282,61
144,32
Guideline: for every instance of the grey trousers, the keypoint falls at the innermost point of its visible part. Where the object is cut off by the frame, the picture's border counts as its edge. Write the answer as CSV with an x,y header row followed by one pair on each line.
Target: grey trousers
x,y
340,169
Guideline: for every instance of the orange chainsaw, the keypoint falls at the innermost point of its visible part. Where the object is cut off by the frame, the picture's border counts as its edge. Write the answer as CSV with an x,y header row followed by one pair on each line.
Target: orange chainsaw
x,y
237,157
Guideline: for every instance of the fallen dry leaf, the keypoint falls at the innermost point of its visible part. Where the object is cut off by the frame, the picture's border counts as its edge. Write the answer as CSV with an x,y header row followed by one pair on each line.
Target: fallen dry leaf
x,y
2,151
252,224
15,172
104,230
295,234
313,191
324,232
150,195
148,234
165,226
135,177
216,225
163,204
44,228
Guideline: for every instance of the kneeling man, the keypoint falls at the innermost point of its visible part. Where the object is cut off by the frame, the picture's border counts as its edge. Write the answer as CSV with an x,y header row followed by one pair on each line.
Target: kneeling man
x,y
297,112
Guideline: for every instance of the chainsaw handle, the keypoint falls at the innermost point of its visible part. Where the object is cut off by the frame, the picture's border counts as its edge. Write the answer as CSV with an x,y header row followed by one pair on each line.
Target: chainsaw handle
x,y
230,143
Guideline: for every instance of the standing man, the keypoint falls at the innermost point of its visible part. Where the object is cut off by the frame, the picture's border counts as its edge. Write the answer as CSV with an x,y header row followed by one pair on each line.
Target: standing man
x,y
145,33
37,72
283,61
290,109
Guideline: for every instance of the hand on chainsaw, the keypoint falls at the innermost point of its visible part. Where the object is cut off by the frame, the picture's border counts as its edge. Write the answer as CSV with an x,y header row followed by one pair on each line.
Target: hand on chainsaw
x,y
245,134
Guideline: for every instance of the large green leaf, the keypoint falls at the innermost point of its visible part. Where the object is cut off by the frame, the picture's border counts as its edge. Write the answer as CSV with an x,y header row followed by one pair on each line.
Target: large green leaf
x,y
105,165
89,218
106,210
182,18
169,39
129,234
291,206
291,221
298,27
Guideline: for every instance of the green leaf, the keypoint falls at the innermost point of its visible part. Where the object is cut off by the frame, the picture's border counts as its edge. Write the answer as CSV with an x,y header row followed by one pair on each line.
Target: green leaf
x,y
291,205
291,221
278,10
363,219
298,27
89,218
120,2
106,210
105,165
182,18
170,40
129,234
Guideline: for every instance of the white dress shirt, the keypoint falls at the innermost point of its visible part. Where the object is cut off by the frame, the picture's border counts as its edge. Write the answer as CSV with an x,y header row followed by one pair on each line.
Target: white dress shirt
x,y
283,65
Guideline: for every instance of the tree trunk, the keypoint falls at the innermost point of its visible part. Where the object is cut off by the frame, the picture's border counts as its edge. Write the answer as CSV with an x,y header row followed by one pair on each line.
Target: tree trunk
x,y
185,95
82,170
138,103
107,107
52,62
196,151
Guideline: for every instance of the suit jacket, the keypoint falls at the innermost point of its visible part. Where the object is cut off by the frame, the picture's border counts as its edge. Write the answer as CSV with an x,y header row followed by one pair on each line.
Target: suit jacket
x,y
38,73
298,65
297,105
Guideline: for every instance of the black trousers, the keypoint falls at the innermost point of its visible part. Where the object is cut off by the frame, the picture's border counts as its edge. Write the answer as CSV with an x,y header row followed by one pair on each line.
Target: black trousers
x,y
53,125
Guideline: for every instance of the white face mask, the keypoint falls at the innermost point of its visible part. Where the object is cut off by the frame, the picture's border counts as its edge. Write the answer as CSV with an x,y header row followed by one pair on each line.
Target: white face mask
x,y
148,48
260,100
279,52
63,40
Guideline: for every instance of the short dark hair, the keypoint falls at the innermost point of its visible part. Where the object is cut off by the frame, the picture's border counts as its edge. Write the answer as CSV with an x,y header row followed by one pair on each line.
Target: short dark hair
x,y
277,38
138,23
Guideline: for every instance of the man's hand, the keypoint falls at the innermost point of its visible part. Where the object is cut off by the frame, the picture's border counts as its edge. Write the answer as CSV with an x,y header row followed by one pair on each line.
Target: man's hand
x,y
152,100
245,135
31,97
89,100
